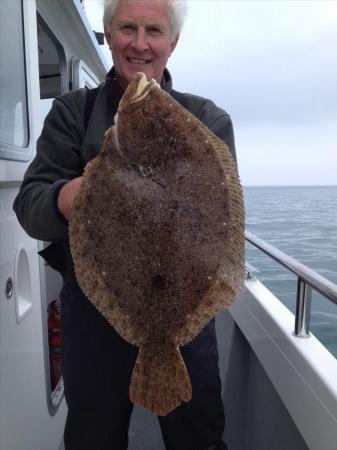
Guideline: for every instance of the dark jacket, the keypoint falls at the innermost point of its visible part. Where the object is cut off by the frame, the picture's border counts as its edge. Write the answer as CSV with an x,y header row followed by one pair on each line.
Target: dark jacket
x,y
65,147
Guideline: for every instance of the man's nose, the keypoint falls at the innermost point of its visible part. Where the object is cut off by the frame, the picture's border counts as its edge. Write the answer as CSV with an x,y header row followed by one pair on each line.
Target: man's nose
x,y
140,41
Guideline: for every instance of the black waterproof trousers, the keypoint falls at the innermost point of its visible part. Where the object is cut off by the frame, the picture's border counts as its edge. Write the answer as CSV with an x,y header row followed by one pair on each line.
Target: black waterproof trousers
x,y
97,368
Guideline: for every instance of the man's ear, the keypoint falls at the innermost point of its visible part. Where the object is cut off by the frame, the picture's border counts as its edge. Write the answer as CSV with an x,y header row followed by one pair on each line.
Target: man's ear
x,y
174,43
107,35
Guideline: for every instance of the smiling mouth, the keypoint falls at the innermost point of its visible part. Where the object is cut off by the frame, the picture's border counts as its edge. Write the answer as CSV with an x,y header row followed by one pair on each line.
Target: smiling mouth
x,y
137,61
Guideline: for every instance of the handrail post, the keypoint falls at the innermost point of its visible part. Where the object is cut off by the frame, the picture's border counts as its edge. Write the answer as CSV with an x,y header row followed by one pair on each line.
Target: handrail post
x,y
303,308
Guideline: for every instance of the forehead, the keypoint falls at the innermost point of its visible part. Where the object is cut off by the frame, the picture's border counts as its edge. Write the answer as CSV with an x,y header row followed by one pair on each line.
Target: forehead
x,y
142,11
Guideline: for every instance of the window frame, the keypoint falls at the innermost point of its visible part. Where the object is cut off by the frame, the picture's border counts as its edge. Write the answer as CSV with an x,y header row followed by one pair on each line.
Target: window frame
x,y
60,51
82,75
11,151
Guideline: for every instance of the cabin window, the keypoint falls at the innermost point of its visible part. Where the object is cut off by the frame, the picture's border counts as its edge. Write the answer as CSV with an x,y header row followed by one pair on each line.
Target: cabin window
x,y
83,76
52,65
13,88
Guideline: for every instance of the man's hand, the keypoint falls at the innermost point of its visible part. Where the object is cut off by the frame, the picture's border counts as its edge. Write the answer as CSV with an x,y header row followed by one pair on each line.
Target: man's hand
x,y
67,195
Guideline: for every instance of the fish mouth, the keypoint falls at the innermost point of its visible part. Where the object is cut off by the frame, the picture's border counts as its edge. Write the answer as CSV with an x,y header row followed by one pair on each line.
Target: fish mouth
x,y
137,89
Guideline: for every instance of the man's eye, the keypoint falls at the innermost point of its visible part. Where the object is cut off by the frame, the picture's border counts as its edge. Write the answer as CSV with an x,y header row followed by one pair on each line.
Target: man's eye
x,y
154,31
128,29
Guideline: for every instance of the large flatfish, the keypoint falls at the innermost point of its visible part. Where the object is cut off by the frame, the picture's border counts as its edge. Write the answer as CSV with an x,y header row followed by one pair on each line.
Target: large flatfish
x,y
157,236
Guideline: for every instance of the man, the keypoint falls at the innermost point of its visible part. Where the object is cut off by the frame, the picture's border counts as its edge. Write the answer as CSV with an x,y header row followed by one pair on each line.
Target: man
x,y
97,363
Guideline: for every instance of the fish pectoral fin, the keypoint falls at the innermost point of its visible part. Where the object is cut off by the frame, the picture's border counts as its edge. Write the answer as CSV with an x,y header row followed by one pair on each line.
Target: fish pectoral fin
x,y
160,383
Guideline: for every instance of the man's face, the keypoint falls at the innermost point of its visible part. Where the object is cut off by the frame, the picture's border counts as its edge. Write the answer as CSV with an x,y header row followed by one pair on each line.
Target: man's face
x,y
140,38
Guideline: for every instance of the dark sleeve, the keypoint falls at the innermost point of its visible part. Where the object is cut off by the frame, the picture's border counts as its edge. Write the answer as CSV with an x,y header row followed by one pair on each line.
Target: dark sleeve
x,y
223,128
57,161
215,118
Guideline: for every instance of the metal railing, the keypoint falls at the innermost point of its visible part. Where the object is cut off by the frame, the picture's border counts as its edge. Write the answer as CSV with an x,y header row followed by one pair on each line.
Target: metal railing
x,y
307,280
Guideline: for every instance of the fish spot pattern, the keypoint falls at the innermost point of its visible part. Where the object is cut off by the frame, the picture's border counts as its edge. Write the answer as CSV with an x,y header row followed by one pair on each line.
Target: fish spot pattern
x,y
157,237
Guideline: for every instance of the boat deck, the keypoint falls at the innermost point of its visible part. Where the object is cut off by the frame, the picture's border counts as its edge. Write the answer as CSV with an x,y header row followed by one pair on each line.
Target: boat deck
x,y
144,431
256,418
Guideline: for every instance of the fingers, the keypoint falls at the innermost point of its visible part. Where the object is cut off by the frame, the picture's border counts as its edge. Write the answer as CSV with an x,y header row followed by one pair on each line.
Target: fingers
x,y
67,195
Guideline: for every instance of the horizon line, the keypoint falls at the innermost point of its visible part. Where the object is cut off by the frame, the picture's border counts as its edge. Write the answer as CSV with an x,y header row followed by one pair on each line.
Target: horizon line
x,y
288,185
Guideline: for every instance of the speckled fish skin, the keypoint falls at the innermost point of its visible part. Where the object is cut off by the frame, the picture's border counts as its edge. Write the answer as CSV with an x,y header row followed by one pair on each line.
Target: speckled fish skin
x,y
157,236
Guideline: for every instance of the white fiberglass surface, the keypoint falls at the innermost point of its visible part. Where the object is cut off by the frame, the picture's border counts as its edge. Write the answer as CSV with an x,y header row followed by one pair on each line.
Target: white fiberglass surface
x,y
302,370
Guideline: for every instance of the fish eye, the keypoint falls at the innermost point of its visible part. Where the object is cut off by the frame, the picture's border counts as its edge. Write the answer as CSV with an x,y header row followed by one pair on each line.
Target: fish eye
x,y
166,113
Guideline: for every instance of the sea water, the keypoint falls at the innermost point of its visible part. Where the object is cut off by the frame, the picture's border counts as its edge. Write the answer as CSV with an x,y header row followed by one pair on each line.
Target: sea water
x,y
302,222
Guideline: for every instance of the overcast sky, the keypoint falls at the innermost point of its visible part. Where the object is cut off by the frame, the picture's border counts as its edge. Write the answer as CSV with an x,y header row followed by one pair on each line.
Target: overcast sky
x,y
272,65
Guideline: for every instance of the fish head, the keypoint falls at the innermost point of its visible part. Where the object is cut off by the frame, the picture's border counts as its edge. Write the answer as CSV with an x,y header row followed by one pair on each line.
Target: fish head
x,y
143,122
136,89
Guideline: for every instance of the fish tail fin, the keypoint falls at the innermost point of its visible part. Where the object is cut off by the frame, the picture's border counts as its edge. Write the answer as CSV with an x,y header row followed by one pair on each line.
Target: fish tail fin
x,y
160,383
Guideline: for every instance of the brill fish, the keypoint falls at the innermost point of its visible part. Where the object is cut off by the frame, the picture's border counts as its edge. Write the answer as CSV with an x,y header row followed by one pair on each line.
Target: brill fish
x,y
157,236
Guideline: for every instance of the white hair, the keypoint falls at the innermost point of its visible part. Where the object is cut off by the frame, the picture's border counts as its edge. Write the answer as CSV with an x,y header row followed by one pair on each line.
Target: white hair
x,y
177,10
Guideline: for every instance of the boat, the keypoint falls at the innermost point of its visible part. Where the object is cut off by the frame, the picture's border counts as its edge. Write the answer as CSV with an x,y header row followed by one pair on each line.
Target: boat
x,y
47,48
279,381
